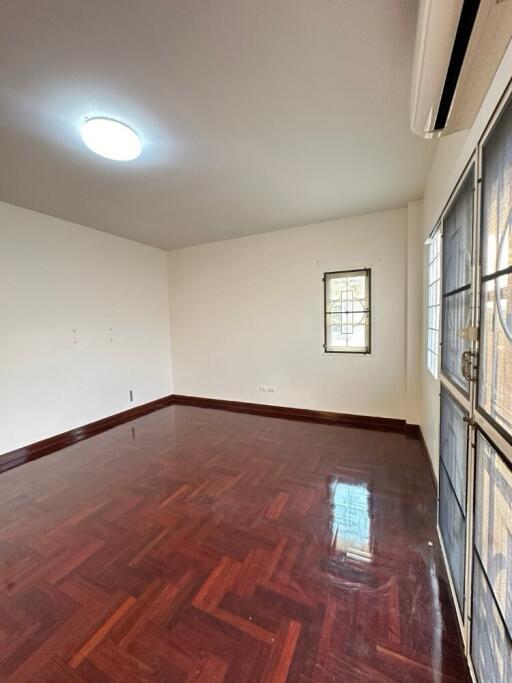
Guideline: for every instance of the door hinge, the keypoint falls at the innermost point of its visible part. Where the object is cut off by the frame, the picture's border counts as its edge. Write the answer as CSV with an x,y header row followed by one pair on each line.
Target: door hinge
x,y
470,333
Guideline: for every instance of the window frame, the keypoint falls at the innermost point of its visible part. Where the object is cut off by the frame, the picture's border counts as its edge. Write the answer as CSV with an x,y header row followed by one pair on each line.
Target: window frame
x,y
367,272
434,238
484,277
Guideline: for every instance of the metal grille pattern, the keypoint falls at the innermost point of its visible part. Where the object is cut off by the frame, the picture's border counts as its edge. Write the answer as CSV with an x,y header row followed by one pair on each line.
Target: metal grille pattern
x,y
452,523
495,375
452,488
491,637
457,246
453,449
347,311
456,316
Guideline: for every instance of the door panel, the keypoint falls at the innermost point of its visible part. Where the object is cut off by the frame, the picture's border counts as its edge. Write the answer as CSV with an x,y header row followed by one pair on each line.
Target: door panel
x,y
457,284
458,237
495,371
491,642
452,489
454,444
456,316
493,523
491,649
452,523
497,196
457,309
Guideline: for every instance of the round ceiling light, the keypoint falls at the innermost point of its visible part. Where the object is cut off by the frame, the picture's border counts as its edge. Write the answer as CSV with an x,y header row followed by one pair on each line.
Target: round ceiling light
x,y
111,139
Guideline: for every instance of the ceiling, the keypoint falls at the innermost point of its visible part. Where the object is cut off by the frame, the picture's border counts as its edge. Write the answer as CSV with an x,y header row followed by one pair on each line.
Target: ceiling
x,y
254,115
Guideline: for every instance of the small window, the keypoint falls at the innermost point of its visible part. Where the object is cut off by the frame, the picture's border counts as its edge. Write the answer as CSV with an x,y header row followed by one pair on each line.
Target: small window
x,y
347,311
434,301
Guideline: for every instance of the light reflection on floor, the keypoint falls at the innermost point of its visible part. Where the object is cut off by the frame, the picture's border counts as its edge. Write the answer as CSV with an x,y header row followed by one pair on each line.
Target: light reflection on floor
x,y
351,523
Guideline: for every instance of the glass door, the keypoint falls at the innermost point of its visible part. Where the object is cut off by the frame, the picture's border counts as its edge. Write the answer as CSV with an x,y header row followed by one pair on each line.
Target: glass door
x,y
457,372
491,607
475,472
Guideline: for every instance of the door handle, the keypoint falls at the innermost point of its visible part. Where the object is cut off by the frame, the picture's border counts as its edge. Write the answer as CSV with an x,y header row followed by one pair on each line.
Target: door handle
x,y
465,365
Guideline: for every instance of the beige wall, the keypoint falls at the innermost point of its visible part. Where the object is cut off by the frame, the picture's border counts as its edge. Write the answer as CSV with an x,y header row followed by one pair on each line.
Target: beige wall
x,y
57,277
249,312
414,310
452,156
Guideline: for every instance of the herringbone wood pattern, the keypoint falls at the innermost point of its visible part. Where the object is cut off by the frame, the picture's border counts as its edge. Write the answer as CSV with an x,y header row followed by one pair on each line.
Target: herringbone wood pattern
x,y
208,546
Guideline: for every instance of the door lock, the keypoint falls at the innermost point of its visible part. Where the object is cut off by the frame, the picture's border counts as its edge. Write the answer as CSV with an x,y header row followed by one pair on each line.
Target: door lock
x,y
466,365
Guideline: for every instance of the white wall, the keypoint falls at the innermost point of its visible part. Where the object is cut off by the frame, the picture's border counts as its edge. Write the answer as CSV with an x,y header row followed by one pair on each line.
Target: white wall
x,y
248,312
57,277
414,310
452,155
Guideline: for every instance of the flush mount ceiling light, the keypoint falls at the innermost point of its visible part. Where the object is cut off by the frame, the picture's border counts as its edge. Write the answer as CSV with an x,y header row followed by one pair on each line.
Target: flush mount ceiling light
x,y
111,139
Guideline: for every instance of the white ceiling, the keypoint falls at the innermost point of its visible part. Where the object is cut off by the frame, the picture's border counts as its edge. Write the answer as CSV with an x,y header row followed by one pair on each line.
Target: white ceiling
x,y
255,115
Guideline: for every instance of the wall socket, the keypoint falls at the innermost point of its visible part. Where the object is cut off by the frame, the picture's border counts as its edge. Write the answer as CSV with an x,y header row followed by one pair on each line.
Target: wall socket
x,y
131,396
267,387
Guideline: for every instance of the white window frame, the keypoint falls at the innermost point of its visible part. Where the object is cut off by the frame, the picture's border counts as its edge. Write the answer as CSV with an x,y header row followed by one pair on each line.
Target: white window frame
x,y
362,350
434,301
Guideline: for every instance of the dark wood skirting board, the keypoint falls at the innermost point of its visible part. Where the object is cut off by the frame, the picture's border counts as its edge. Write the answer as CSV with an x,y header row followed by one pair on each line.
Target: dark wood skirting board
x,y
366,421
54,443
426,453
416,432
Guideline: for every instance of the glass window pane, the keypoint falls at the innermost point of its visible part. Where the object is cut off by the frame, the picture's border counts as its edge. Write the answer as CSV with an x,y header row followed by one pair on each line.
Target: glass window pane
x,y
453,530
453,447
434,303
497,196
348,331
493,524
457,238
347,312
491,649
495,372
435,365
456,316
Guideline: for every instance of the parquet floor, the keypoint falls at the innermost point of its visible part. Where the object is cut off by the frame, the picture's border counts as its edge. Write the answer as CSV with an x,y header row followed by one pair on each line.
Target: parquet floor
x,y
208,546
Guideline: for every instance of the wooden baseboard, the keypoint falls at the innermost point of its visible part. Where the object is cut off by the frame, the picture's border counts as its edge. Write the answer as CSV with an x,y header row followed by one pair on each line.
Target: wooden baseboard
x,y
54,443
347,419
426,454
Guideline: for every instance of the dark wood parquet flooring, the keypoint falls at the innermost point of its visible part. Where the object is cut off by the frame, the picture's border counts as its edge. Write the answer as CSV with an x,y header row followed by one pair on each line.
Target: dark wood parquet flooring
x,y
217,547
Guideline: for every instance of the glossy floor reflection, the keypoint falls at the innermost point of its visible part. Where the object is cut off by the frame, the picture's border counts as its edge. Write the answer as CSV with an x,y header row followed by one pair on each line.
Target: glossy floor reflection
x,y
203,545
351,523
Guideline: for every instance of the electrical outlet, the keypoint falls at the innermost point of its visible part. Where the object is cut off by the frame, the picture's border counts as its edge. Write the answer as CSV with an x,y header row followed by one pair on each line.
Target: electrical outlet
x,y
263,387
131,396
271,388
